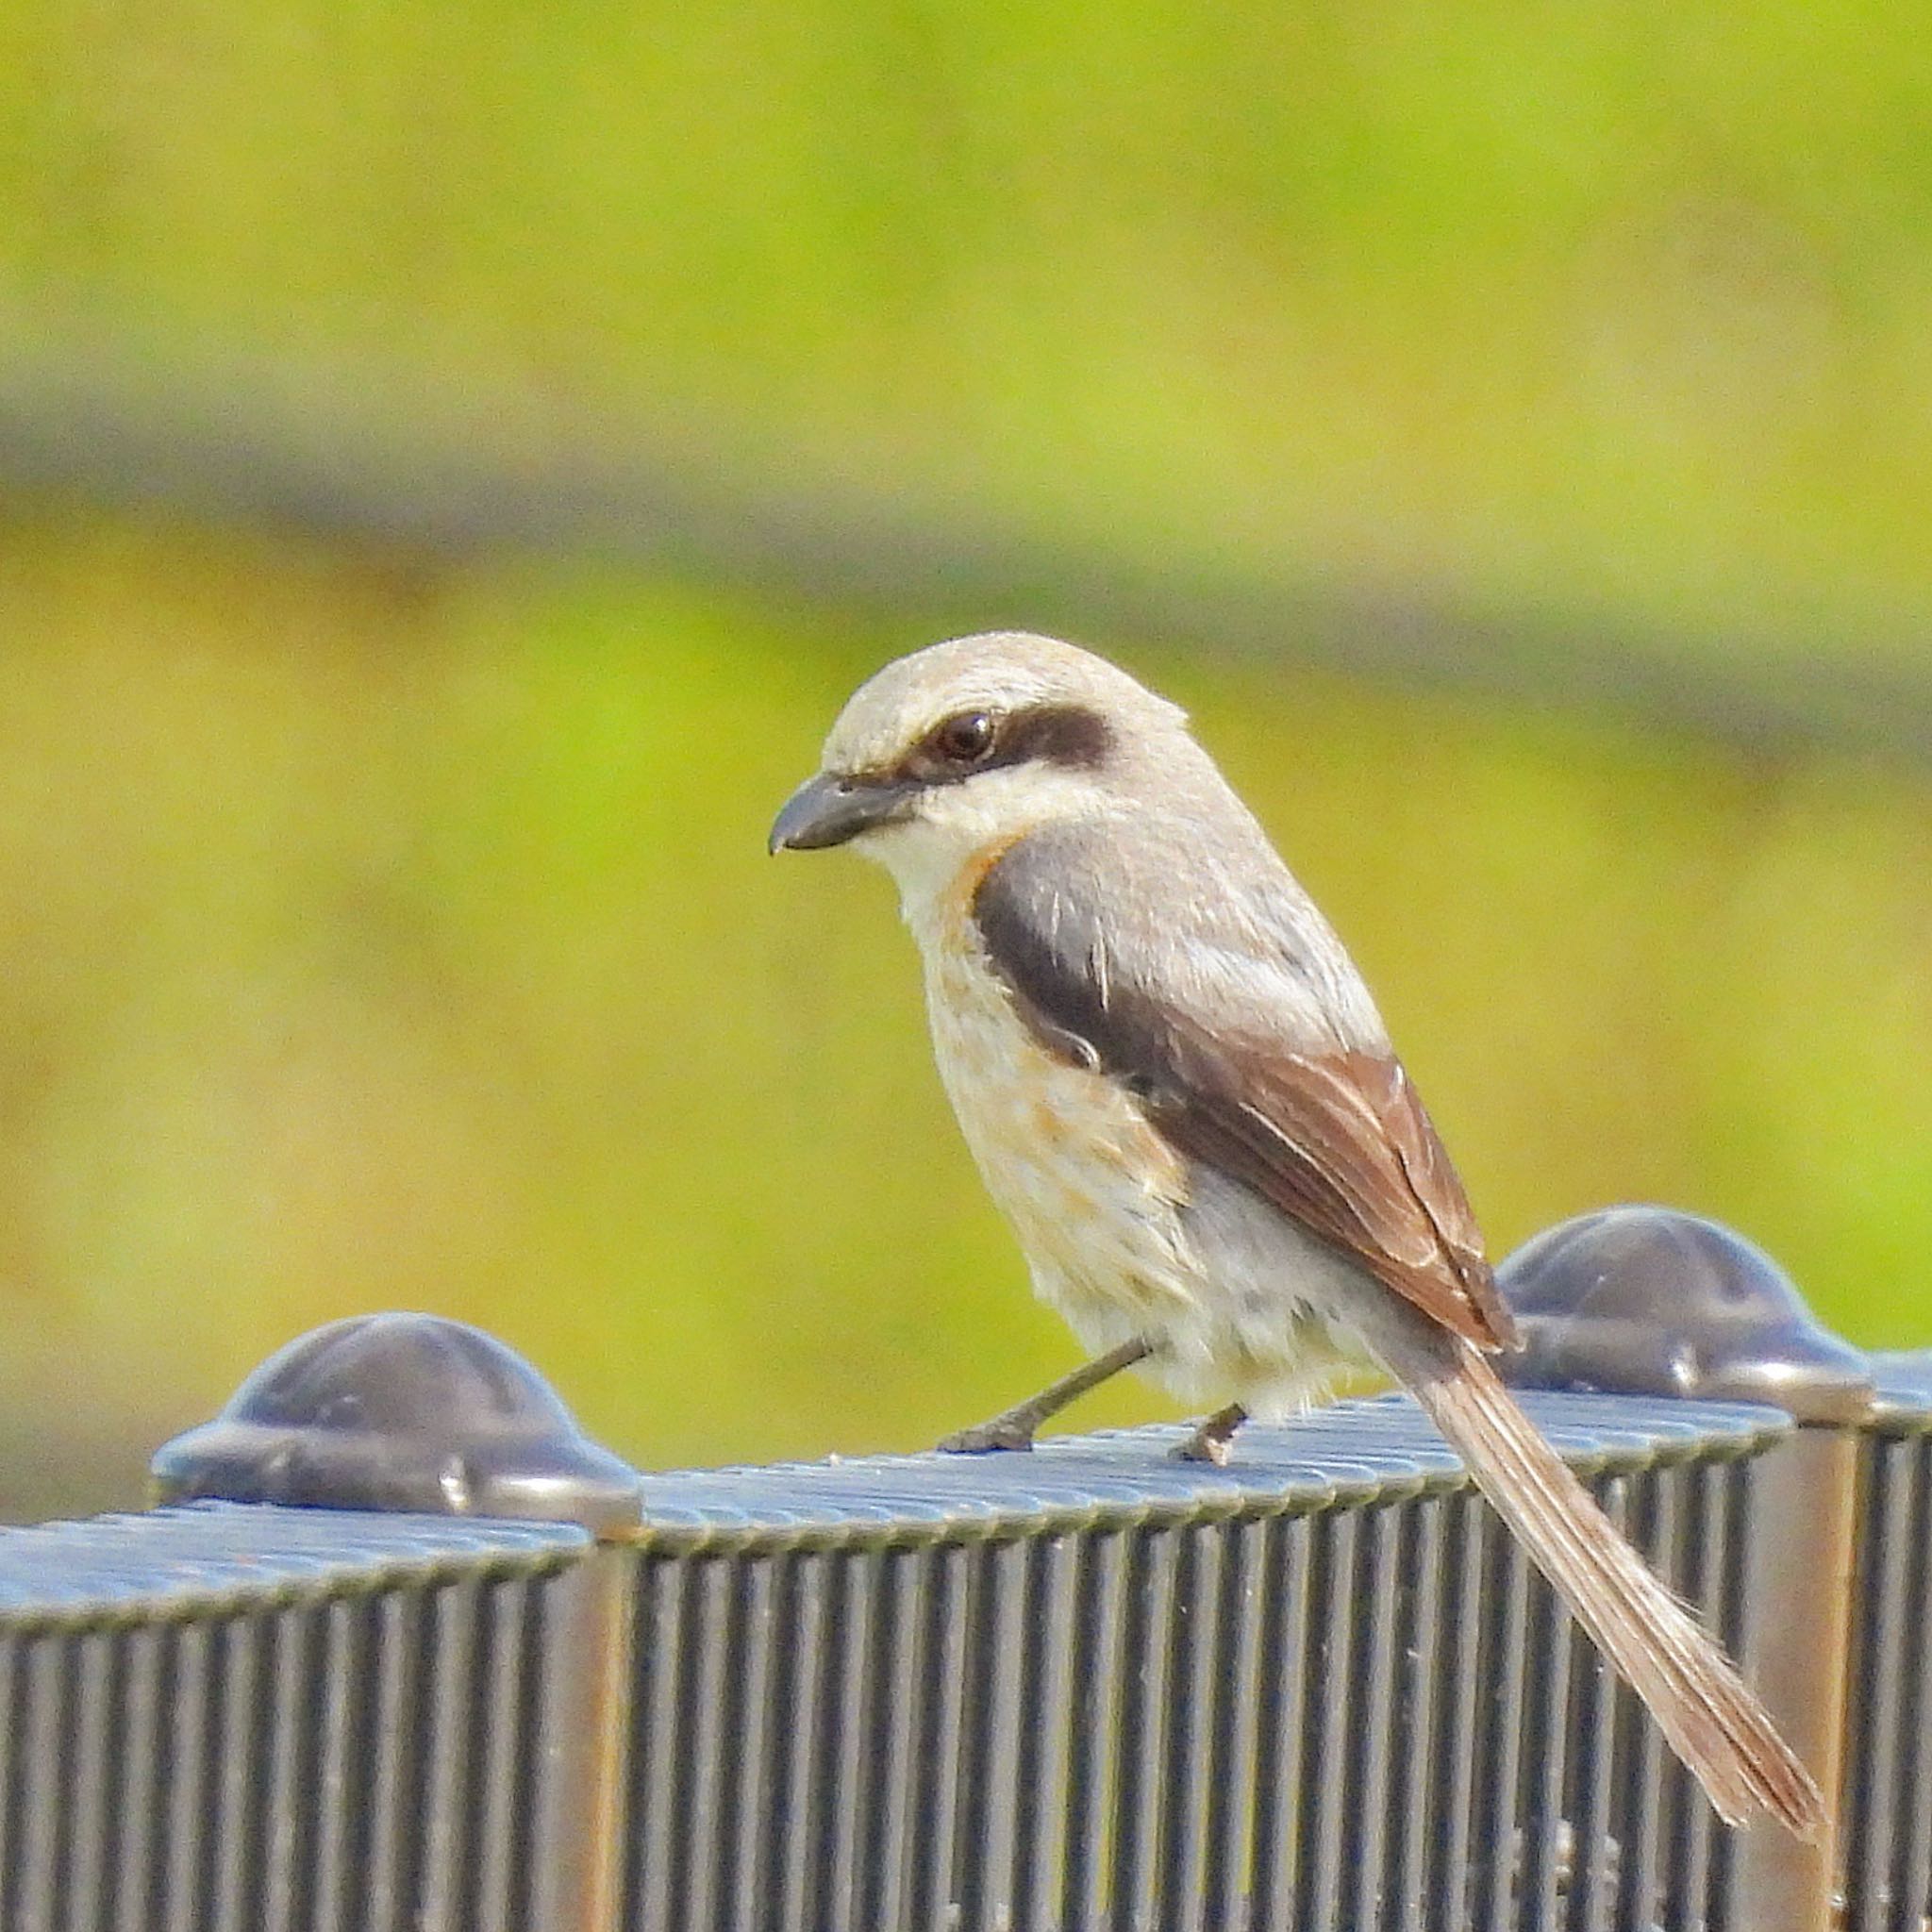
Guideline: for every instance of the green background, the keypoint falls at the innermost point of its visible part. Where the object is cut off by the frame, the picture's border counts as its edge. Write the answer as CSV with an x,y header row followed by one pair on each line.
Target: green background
x,y
385,922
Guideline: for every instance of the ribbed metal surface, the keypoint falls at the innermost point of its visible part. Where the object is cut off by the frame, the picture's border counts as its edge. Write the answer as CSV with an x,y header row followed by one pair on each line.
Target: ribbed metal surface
x,y
1634,1845
241,1718
1887,1844
1091,1688
1094,1688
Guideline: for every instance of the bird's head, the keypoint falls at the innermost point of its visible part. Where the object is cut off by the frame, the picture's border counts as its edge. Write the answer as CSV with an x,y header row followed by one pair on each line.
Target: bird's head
x,y
967,745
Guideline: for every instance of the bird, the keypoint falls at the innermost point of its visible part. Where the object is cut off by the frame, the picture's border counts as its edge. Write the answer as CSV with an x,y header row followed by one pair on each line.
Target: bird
x,y
1179,1092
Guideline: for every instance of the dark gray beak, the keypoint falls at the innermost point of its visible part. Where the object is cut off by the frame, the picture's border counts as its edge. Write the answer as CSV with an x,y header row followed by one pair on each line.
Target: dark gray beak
x,y
827,811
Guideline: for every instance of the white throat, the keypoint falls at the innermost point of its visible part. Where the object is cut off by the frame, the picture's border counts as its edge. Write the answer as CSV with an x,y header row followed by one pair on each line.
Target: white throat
x,y
938,855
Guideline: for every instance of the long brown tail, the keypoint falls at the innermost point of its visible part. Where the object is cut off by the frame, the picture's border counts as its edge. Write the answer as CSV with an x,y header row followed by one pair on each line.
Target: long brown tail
x,y
1712,1722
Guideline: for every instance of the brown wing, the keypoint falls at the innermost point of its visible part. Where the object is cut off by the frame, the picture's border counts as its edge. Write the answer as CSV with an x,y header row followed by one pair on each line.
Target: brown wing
x,y
1336,1139
1342,1144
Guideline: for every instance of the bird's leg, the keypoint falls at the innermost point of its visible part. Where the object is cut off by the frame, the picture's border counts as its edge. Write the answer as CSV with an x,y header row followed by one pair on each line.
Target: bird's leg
x,y
1013,1429
1211,1441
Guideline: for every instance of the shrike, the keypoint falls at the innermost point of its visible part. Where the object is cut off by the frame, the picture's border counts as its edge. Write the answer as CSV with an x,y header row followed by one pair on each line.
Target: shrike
x,y
1179,1092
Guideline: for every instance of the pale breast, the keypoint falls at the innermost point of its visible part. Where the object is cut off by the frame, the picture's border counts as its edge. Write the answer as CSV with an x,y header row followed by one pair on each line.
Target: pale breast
x,y
1092,1190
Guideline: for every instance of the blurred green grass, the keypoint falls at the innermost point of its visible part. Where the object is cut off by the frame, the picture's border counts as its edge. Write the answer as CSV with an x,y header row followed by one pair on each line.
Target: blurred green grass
x,y
379,942
1622,310
375,931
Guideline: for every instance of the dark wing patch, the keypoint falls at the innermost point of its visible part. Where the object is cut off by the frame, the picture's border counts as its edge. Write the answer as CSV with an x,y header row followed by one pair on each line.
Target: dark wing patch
x,y
1336,1139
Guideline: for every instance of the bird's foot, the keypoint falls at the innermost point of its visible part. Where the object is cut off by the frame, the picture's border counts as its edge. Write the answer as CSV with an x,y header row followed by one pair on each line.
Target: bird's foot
x,y
1213,1442
1000,1433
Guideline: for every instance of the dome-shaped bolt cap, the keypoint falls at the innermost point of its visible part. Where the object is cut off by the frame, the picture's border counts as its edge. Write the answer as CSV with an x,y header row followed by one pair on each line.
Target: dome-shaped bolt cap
x,y
1651,1301
403,1413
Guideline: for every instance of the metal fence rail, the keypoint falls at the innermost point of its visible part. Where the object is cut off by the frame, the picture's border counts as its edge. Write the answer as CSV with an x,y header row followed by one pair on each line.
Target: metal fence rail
x,y
236,1717
1090,1689
1094,1687
1888,1858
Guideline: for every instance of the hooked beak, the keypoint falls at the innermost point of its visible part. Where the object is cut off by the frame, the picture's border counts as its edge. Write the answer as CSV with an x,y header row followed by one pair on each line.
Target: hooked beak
x,y
827,810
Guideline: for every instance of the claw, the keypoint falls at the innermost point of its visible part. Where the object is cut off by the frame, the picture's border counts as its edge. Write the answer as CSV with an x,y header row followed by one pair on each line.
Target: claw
x,y
1212,1440
985,1439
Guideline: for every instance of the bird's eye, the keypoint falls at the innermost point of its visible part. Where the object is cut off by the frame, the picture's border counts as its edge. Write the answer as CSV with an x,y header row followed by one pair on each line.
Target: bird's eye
x,y
964,740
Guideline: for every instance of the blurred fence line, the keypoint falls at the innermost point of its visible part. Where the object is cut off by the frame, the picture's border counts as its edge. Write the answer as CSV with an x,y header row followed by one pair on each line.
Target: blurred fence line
x,y
363,456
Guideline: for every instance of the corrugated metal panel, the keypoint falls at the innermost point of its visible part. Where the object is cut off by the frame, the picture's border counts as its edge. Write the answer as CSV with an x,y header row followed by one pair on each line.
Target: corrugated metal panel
x,y
239,1718
1887,1837
1642,1833
1093,1688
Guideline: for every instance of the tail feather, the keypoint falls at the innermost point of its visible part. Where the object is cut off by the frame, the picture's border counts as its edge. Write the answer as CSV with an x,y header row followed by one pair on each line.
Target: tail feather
x,y
1711,1721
